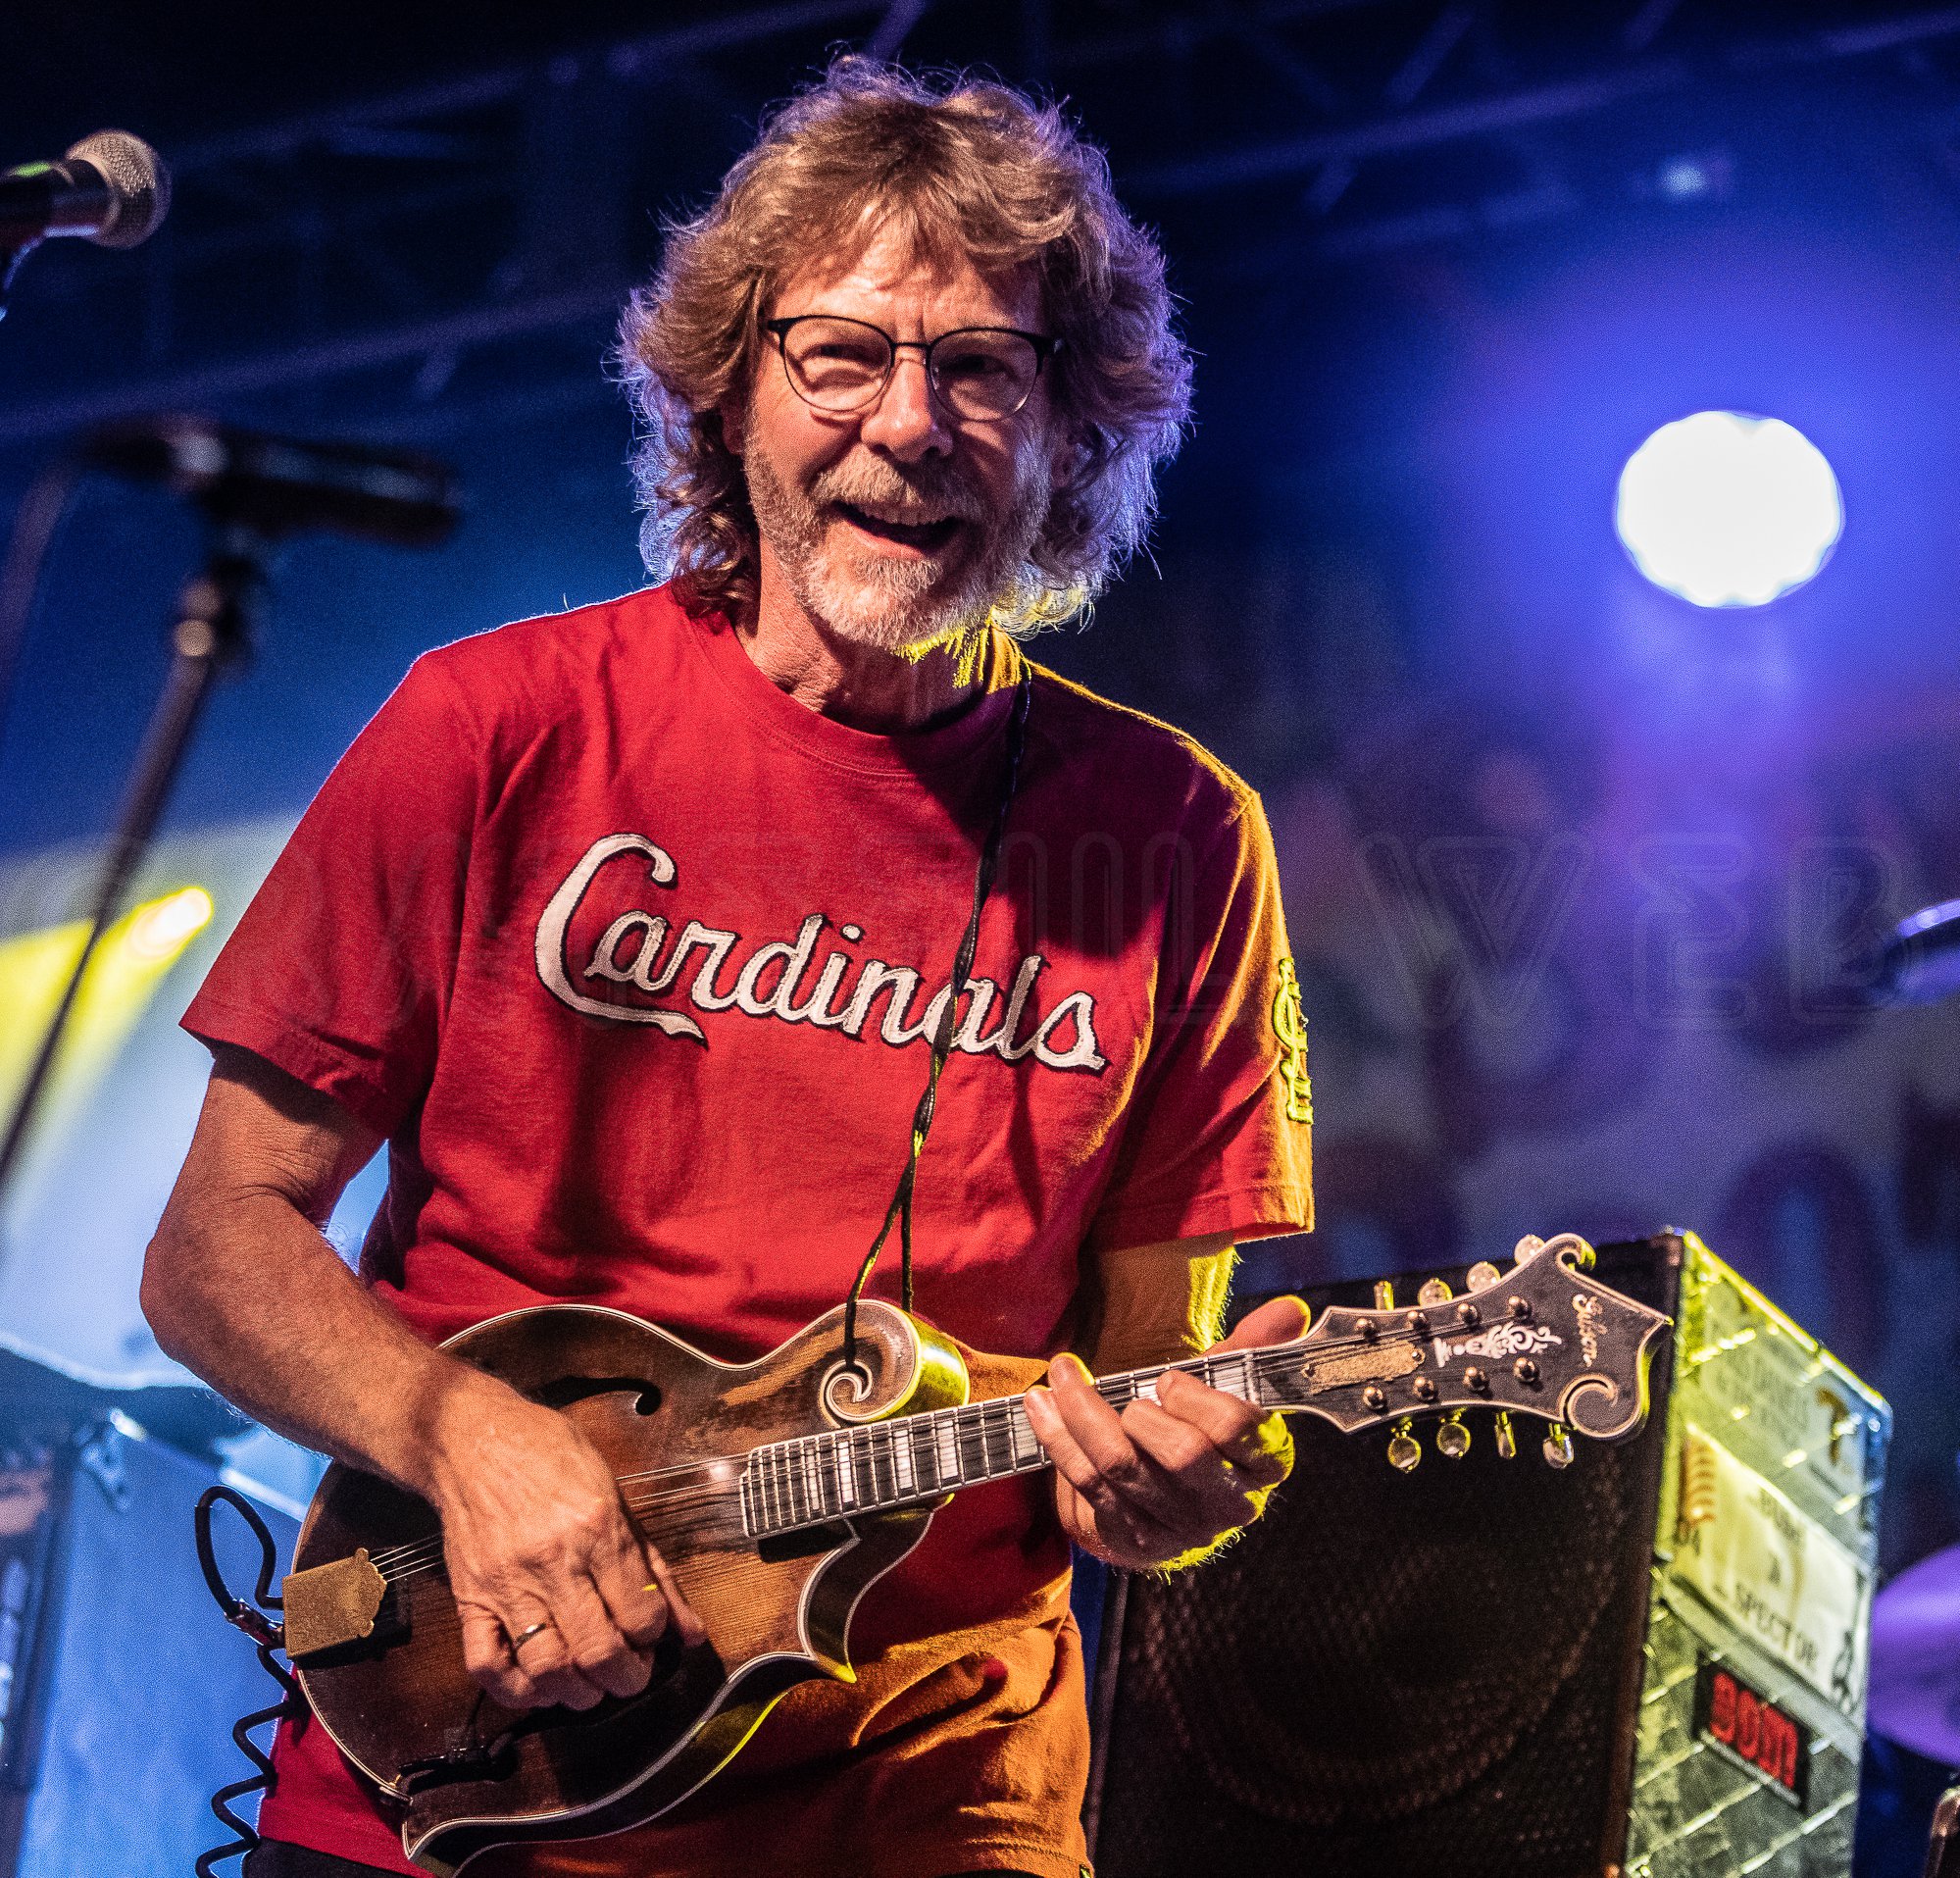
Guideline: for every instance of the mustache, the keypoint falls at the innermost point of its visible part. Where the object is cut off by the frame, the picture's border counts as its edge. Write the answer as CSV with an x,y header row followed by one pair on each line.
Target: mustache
x,y
934,487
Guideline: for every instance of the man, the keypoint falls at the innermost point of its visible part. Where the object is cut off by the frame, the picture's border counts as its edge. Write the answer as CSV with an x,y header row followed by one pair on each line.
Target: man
x,y
626,930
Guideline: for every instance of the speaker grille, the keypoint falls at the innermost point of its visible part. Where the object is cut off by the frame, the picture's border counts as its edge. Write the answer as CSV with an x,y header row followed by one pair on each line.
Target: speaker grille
x,y
1391,1673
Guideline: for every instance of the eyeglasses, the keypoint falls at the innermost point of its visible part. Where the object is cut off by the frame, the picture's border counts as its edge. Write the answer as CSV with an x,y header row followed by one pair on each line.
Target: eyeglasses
x,y
976,371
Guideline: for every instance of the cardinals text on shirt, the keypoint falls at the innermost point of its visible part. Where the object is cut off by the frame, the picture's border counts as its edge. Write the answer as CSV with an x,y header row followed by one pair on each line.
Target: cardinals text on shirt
x,y
784,978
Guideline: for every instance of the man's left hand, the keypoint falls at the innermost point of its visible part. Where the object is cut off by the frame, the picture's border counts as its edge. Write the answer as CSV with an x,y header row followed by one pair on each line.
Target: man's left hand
x,y
1167,1478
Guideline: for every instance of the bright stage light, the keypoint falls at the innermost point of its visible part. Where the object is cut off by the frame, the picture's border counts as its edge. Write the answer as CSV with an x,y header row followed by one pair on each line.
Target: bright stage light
x,y
1682,180
1728,510
164,927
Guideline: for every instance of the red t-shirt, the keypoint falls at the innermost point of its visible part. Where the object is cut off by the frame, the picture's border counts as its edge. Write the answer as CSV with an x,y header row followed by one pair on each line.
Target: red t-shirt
x,y
630,958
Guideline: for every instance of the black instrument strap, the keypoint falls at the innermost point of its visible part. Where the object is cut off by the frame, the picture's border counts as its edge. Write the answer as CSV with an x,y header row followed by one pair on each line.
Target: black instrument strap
x,y
901,1210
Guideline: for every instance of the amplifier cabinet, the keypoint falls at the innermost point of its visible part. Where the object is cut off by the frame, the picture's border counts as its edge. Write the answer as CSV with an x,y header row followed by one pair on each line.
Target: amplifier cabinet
x,y
118,1678
1649,1662
1752,1698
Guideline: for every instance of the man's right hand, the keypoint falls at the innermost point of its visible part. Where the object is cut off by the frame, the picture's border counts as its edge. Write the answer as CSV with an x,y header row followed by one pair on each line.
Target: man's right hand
x,y
241,1287
535,1534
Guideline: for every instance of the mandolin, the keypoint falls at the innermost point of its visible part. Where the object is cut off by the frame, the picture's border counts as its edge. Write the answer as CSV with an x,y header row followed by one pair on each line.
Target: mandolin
x,y
778,1491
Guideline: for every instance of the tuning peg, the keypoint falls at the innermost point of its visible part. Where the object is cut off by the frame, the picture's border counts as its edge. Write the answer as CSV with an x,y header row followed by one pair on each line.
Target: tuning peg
x,y
1384,1294
1558,1446
1452,1438
1507,1436
1435,1291
1405,1452
1480,1274
1526,1248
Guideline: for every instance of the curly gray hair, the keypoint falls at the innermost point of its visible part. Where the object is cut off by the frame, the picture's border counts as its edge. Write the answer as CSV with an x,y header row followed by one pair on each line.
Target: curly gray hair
x,y
962,168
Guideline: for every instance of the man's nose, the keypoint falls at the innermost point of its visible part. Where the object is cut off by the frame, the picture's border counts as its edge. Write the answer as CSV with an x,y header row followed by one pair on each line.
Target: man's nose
x,y
906,421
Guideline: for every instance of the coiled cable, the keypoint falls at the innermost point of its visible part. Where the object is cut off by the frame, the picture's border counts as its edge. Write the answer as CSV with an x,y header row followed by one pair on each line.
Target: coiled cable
x,y
269,1637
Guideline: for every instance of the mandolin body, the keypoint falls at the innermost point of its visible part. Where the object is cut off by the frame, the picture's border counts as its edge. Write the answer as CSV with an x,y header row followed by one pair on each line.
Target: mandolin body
x,y
464,1774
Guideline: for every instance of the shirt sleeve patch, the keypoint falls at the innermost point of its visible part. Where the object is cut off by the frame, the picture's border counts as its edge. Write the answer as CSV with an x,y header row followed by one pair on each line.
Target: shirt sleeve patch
x,y
1290,1025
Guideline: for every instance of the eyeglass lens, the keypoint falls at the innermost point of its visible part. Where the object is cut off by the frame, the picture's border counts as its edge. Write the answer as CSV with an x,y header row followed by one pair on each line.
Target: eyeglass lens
x,y
839,365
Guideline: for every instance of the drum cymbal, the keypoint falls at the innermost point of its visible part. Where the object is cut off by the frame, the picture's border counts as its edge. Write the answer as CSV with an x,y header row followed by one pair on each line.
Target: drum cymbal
x,y
1915,1681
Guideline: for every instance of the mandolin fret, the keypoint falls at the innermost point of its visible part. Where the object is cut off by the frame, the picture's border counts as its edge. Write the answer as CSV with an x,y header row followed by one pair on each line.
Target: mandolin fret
x,y
780,1482
989,1423
973,1448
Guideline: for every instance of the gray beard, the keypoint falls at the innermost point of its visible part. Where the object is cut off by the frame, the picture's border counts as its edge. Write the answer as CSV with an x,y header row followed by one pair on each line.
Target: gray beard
x,y
888,604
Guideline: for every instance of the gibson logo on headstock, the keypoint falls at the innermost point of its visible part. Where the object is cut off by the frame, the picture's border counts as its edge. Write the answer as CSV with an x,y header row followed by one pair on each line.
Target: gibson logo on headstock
x,y
1587,1311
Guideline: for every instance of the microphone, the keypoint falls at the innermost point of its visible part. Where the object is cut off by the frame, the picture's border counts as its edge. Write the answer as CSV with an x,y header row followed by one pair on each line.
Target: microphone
x,y
278,485
111,188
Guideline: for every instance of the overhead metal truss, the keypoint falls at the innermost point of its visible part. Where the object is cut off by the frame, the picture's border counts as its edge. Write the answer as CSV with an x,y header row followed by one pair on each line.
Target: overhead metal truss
x,y
456,254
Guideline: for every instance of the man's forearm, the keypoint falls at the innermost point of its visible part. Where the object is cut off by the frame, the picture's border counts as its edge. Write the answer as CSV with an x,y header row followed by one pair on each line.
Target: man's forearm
x,y
248,1294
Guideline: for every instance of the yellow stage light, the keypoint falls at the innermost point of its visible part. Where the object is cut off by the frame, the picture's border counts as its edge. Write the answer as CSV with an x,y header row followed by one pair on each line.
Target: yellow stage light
x,y
160,930
128,965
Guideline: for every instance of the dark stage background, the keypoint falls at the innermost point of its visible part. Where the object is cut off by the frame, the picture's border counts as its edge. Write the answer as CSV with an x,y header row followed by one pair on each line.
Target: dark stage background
x,y
1579,877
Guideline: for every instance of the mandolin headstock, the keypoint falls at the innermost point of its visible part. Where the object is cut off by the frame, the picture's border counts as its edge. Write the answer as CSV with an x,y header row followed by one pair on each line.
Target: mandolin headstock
x,y
1542,1339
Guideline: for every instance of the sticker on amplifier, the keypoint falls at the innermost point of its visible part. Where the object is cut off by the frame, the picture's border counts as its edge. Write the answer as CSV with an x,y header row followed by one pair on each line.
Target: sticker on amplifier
x,y
1775,1573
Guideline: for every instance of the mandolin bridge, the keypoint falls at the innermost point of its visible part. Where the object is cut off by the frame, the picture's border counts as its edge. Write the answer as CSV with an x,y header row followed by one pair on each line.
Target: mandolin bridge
x,y
332,1606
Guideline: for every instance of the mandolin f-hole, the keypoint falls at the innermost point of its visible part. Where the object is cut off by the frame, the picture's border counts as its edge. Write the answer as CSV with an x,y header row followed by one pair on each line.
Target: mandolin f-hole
x,y
805,1542
568,1389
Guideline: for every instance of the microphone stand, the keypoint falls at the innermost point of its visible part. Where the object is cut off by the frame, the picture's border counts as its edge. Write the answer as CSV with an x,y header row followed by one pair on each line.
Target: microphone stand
x,y
216,614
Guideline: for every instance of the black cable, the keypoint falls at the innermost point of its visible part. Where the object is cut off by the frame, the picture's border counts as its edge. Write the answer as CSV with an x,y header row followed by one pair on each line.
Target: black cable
x,y
900,1208
269,1637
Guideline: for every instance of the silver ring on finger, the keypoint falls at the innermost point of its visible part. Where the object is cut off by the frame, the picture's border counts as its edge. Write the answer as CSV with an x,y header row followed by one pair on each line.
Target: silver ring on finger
x,y
528,1632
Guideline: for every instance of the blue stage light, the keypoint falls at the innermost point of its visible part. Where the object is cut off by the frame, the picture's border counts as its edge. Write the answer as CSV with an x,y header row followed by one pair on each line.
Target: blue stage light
x,y
1728,510
1682,180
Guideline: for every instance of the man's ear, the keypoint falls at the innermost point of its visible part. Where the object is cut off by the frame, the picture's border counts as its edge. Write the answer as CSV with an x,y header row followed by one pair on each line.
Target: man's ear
x,y
1066,454
734,424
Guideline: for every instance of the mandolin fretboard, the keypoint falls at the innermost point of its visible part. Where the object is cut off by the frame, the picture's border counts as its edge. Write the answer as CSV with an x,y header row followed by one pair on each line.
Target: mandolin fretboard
x,y
915,1459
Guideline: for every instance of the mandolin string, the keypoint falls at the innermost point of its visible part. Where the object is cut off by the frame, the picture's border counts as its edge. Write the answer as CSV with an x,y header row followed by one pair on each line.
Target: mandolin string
x,y
648,1473
390,1554
418,1556
715,1505
706,1498
425,1554
415,1553
1265,1361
